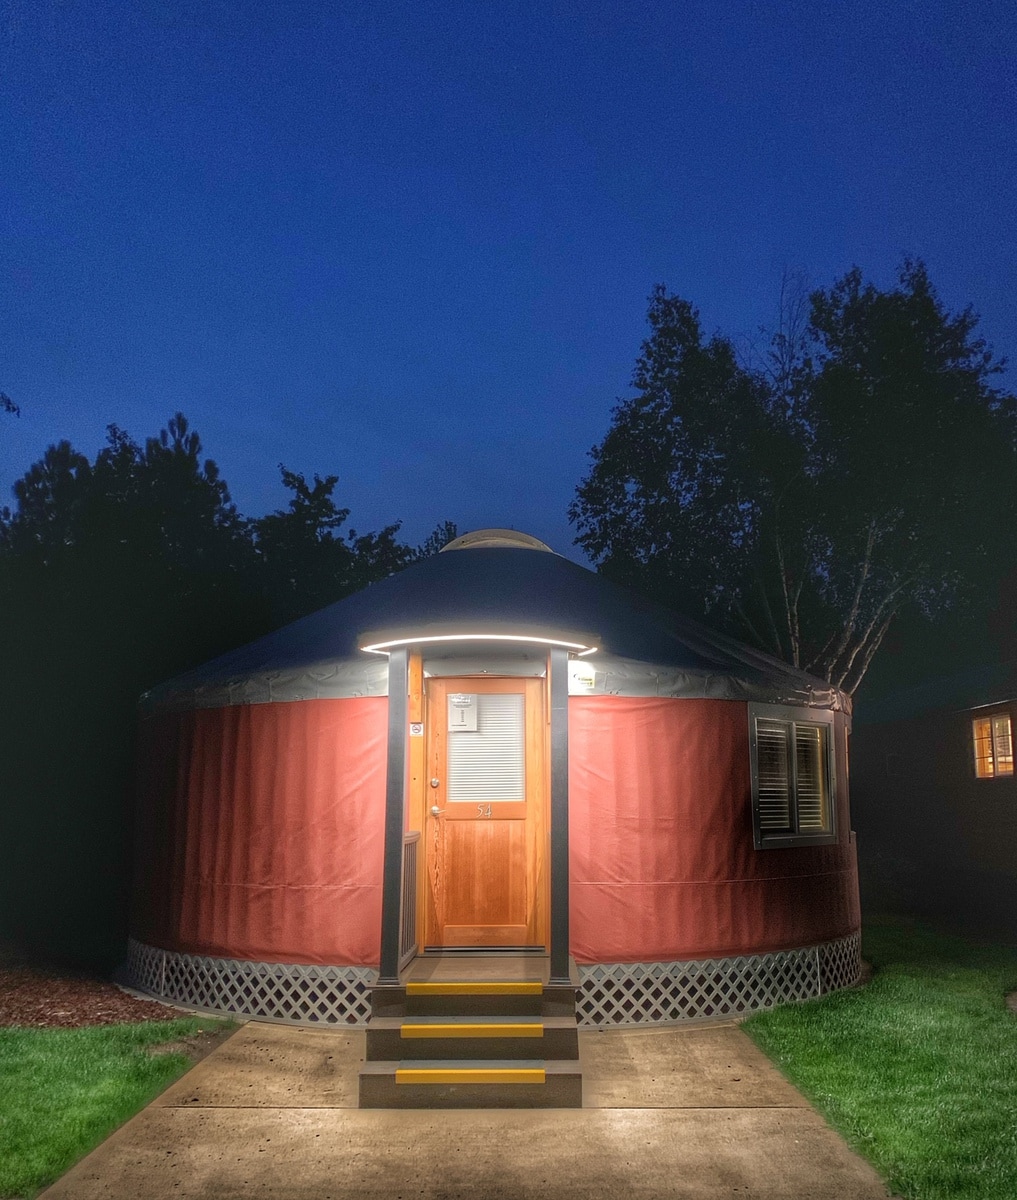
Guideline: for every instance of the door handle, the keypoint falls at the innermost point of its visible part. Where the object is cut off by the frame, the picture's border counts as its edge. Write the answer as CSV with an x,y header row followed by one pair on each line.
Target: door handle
x,y
435,811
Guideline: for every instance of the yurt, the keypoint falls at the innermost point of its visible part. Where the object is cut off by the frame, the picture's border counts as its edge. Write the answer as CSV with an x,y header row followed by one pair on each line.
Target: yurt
x,y
494,751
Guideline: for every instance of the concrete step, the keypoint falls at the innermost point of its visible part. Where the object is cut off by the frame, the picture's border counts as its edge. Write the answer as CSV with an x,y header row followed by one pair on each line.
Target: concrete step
x,y
480,1042
483,1037
471,1083
470,998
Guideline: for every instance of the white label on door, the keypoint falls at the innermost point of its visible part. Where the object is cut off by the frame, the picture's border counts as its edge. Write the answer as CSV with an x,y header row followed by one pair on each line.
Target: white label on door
x,y
462,713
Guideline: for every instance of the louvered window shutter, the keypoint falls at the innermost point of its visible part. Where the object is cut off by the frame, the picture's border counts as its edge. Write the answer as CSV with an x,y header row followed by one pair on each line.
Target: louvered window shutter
x,y
489,763
774,775
792,777
810,771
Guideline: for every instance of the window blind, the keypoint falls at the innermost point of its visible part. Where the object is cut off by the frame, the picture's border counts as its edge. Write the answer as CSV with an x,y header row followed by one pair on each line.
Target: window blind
x,y
490,762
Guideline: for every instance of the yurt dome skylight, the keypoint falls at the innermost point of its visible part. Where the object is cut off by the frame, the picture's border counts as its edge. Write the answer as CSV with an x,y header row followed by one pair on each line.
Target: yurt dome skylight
x,y
482,539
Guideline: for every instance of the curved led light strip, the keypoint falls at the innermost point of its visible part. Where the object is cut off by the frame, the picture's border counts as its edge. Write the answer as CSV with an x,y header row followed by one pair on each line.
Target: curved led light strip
x,y
580,648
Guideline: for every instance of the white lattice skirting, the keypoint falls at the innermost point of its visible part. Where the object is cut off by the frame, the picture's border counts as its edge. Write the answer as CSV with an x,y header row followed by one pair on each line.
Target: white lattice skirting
x,y
658,993
296,993
610,994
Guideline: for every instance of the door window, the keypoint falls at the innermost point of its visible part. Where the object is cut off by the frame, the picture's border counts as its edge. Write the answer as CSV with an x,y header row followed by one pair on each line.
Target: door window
x,y
488,762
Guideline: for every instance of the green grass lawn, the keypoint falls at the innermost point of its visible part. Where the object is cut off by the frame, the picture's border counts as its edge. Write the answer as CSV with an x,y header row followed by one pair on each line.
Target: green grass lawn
x,y
918,1070
63,1090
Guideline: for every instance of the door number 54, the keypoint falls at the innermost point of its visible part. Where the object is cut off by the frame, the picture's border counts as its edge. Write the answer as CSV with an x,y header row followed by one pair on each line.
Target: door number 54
x,y
483,810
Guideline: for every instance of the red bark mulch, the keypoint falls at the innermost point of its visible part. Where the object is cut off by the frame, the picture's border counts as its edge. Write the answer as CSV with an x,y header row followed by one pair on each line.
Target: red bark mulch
x,y
43,997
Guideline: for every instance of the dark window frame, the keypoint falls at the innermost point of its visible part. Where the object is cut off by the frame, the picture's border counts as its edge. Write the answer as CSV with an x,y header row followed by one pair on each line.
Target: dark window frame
x,y
792,718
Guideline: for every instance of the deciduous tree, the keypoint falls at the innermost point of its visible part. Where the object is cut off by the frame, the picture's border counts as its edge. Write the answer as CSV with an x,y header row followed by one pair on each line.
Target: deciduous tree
x,y
803,507
439,537
309,561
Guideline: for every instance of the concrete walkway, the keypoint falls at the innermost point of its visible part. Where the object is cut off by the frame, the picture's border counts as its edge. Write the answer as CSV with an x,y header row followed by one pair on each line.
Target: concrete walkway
x,y
696,1112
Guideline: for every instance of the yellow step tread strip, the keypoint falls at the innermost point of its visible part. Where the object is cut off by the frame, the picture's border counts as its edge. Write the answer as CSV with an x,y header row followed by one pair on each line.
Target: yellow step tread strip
x,y
470,1075
472,1031
474,989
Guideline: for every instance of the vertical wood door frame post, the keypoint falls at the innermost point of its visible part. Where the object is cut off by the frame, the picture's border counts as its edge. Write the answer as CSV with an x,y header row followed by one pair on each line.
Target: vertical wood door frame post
x,y
558,665
395,819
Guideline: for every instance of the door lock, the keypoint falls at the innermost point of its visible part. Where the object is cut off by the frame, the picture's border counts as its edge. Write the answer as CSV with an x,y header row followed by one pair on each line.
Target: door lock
x,y
435,783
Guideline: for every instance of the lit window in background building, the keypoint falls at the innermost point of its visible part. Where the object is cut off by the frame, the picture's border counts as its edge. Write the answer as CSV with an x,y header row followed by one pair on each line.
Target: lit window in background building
x,y
993,746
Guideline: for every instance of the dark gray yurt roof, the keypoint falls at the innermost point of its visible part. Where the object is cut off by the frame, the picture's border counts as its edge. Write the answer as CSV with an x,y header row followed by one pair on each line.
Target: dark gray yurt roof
x,y
495,582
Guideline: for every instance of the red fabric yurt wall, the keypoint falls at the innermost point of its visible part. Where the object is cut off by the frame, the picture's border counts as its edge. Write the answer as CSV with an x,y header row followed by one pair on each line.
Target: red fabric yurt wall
x,y
260,835
663,865
260,831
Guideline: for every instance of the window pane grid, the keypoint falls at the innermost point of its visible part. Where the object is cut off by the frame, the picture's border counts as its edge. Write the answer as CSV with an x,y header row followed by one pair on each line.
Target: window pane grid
x,y
983,748
993,746
1002,745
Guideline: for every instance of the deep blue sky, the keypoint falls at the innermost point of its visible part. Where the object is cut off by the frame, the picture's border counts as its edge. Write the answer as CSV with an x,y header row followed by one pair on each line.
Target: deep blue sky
x,y
411,243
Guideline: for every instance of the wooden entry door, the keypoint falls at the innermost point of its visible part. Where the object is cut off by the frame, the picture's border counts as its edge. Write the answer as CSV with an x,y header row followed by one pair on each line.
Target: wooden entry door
x,y
485,813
